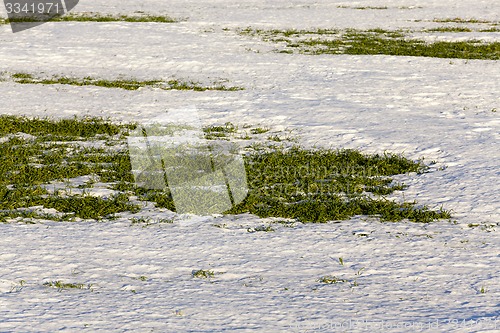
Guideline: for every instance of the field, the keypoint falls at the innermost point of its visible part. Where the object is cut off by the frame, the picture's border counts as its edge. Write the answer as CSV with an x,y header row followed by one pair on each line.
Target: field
x,y
369,132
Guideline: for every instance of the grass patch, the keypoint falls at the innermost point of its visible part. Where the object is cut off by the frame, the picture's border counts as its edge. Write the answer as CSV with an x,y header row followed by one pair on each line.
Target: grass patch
x,y
218,132
73,128
142,278
292,183
374,42
323,185
462,20
490,30
275,138
363,7
149,221
131,84
89,207
450,29
95,17
371,8
64,286
330,279
27,165
226,128
204,274
259,130
410,7
261,228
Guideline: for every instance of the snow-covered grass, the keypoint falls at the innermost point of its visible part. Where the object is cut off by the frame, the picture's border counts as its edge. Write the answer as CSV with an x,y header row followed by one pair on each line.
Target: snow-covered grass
x,y
270,274
377,41
128,84
308,185
96,17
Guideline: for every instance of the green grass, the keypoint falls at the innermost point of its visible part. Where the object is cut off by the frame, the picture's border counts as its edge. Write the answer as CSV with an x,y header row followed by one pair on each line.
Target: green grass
x,y
142,278
330,279
363,7
374,42
371,7
79,128
462,20
409,7
293,183
323,185
148,221
228,127
219,132
115,18
26,164
490,30
130,84
64,286
204,274
94,17
261,228
450,29
259,130
275,138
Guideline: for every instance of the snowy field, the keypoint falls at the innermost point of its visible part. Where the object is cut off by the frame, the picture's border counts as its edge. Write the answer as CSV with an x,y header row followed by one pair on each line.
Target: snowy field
x,y
395,277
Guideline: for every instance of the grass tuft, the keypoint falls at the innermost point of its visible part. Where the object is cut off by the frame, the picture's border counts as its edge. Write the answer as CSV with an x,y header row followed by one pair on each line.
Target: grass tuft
x,y
259,130
450,29
204,274
64,286
219,132
131,84
73,127
95,17
330,279
374,42
262,228
462,20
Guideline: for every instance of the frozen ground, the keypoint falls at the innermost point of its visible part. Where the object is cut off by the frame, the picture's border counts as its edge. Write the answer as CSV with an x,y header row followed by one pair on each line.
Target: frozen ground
x,y
415,277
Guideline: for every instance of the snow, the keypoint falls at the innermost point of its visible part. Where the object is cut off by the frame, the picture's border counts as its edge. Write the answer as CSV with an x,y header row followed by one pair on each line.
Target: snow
x,y
415,277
